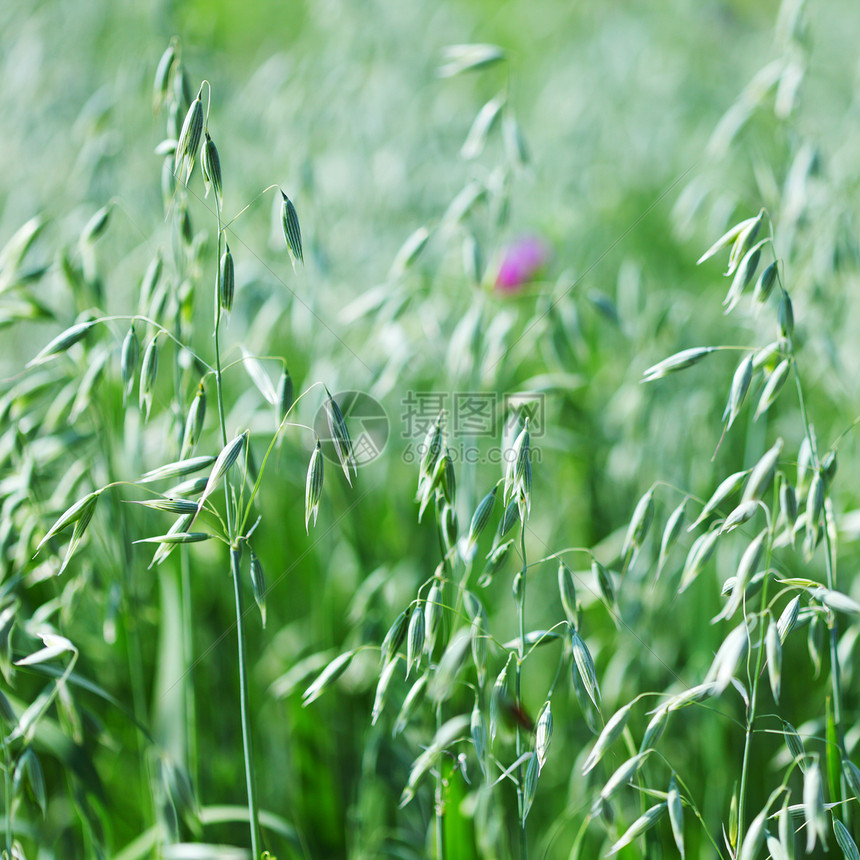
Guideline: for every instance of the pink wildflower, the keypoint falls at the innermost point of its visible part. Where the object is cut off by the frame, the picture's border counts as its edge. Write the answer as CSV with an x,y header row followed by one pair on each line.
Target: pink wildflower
x,y
521,261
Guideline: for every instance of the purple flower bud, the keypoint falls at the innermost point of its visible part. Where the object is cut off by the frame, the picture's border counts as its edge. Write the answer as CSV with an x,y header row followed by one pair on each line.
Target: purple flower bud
x,y
521,261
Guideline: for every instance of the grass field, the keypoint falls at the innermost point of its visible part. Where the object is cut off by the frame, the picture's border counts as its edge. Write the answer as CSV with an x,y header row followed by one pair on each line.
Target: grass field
x,y
395,461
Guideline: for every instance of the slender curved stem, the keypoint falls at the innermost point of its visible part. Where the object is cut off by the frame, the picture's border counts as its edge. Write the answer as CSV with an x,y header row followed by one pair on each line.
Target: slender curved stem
x,y
830,574
7,795
751,711
440,797
235,555
247,744
521,615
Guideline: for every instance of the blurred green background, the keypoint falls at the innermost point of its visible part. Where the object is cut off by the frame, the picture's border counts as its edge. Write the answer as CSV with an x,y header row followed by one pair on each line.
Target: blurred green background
x,y
341,104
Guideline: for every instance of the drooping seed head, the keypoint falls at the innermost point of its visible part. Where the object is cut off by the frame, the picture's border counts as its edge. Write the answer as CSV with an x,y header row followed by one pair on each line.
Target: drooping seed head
x,y
410,703
788,618
495,560
584,666
128,359
148,374
604,581
177,469
530,785
567,592
478,634
194,422
80,510
432,446
62,342
327,677
498,695
382,690
211,166
740,385
762,474
284,394
449,478
258,585
509,519
292,231
640,522
395,636
432,616
828,467
479,734
226,279
814,811
415,638
450,526
728,237
515,474
314,485
745,273
672,529
744,241
228,456
481,127
161,84
97,225
340,436
611,732
189,139
773,649
678,361
655,728
181,87
543,734
481,516
785,316
772,387
764,285
815,502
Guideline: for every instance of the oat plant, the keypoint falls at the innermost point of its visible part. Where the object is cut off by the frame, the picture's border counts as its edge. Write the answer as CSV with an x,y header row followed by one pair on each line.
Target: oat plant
x,y
123,353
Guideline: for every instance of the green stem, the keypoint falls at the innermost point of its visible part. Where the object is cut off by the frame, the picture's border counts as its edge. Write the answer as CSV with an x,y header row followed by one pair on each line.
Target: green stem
x,y
577,842
440,798
128,605
751,711
188,648
521,614
188,704
830,574
7,762
718,851
235,554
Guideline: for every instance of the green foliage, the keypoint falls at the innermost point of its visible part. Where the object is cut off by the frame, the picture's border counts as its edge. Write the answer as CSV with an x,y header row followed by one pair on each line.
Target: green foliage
x,y
678,554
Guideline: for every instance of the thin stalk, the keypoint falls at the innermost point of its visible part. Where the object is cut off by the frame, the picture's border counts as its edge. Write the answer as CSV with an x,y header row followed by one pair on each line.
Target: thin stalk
x,y
521,614
440,798
751,711
235,554
440,783
188,704
694,807
580,835
188,648
7,797
128,601
830,574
